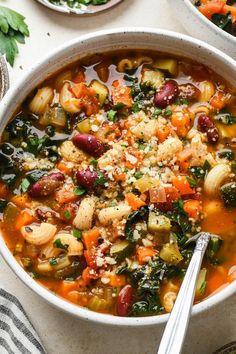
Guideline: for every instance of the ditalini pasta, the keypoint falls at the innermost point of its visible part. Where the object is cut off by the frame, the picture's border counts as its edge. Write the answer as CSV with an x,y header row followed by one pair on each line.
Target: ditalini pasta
x,y
108,169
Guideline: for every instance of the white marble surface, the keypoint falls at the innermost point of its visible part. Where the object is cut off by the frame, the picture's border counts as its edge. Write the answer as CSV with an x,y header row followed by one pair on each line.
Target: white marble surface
x,y
62,333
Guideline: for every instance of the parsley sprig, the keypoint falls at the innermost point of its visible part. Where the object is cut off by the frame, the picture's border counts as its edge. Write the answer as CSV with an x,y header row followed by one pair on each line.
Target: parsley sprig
x,y
13,30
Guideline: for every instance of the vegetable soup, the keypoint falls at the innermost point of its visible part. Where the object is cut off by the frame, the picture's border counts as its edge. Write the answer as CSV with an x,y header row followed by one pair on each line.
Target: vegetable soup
x,y
221,12
107,170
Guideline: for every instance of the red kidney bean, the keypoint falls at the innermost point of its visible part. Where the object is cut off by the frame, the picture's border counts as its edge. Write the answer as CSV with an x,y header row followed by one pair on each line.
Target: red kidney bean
x,y
44,213
167,94
46,185
188,91
124,301
207,126
89,144
86,178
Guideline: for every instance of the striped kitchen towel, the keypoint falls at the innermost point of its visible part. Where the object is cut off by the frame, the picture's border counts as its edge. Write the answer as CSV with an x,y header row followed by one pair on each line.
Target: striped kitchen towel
x,y
17,335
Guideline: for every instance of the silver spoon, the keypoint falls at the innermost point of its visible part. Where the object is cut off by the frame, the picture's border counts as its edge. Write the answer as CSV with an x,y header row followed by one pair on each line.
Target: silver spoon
x,y
175,331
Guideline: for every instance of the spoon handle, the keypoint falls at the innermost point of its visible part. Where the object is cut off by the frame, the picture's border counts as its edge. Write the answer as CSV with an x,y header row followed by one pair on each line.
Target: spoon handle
x,y
174,334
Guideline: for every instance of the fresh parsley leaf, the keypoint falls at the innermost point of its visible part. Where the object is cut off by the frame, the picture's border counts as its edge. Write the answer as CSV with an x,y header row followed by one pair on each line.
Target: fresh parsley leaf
x,y
53,261
25,183
135,107
119,105
79,191
138,175
101,180
13,29
157,112
77,233
206,166
94,162
181,101
67,214
191,182
168,113
111,115
58,244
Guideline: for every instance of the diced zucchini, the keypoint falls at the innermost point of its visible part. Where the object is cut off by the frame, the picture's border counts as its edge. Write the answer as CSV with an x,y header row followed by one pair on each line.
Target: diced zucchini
x,y
84,126
101,91
170,253
201,283
145,183
228,194
152,78
121,249
158,223
169,65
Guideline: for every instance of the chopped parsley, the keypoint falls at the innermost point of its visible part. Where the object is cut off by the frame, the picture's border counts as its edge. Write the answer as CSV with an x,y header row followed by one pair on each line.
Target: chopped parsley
x,y
111,115
136,107
58,244
191,182
67,214
25,183
53,261
77,233
79,191
101,180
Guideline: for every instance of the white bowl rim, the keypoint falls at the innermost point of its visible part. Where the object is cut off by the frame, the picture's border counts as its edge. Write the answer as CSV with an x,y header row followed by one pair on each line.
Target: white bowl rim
x,y
58,302
207,22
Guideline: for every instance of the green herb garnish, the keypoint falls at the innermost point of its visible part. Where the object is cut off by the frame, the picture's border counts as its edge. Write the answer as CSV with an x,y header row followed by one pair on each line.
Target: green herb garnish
x,y
25,183
79,191
13,29
77,233
58,244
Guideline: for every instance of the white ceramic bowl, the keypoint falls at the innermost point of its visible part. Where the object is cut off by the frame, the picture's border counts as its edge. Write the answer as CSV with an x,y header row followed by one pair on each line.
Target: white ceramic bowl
x,y
200,27
136,38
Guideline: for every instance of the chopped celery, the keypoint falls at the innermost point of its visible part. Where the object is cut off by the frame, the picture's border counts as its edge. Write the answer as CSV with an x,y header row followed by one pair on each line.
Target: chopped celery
x,y
99,305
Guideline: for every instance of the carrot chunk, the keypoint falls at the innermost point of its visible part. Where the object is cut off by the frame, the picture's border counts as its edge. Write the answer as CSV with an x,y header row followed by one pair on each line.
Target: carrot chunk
x,y
24,218
122,94
90,238
145,253
181,183
134,201
117,280
192,208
